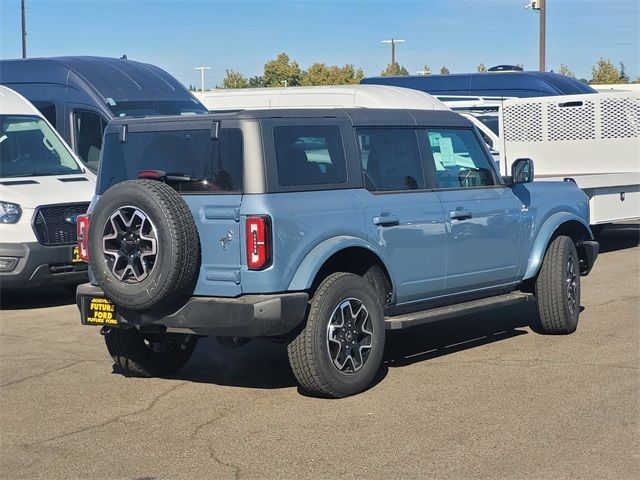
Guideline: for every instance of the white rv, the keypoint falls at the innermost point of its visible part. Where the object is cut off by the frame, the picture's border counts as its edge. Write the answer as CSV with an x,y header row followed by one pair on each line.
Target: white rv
x,y
340,96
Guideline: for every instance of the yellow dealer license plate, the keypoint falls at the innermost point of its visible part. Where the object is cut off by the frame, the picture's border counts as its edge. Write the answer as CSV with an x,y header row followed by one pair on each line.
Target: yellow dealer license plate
x,y
99,311
75,255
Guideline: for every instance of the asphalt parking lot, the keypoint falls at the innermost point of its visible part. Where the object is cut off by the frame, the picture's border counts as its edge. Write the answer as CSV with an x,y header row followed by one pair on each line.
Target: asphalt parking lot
x,y
477,397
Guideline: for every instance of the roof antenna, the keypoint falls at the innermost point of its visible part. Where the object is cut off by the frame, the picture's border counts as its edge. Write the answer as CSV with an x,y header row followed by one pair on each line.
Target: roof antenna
x,y
124,57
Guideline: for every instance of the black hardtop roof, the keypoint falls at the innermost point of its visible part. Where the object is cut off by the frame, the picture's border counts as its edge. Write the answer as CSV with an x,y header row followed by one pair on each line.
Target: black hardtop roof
x,y
112,78
357,116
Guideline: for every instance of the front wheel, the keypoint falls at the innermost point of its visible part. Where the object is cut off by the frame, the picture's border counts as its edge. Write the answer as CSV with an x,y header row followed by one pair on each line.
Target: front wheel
x,y
339,350
149,354
558,288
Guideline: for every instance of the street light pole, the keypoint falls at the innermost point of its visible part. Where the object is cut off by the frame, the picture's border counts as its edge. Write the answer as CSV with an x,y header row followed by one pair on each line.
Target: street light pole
x,y
543,28
24,30
393,42
202,69
540,6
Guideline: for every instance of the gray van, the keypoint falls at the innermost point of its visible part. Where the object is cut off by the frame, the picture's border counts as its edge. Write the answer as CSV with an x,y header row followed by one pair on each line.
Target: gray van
x,y
80,95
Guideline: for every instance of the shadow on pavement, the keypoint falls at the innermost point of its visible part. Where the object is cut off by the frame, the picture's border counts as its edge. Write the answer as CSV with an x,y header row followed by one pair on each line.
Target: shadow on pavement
x,y
42,297
263,364
433,340
258,364
619,237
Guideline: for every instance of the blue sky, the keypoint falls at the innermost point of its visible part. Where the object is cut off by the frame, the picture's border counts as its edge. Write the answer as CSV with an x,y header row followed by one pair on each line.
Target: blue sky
x,y
241,35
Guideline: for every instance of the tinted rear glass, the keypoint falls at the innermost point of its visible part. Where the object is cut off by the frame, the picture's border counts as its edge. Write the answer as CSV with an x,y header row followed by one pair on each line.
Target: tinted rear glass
x,y
205,165
309,155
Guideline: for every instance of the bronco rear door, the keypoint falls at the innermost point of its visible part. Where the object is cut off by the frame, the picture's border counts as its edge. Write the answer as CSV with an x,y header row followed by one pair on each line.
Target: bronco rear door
x,y
203,160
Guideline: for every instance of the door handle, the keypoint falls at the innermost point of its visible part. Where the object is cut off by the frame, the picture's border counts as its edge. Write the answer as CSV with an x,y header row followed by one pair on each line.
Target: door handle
x,y
386,220
459,214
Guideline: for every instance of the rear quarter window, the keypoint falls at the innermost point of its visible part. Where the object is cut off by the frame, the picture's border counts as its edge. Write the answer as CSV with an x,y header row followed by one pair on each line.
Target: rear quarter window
x,y
309,155
205,165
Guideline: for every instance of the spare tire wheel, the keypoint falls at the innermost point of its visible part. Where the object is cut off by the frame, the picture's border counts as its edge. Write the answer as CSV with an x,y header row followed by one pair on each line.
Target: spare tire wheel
x,y
144,245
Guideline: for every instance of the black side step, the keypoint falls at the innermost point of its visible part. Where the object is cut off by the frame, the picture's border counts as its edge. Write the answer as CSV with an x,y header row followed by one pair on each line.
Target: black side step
x,y
441,313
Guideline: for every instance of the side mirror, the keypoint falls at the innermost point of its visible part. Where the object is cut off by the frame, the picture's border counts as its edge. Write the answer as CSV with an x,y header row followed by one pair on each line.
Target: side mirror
x,y
521,171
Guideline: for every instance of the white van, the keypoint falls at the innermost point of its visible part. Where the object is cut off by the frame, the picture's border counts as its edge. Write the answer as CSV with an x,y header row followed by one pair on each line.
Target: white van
x,y
43,188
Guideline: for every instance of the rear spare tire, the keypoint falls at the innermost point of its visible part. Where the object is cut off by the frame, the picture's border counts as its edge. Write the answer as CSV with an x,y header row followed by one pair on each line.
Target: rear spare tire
x,y
143,243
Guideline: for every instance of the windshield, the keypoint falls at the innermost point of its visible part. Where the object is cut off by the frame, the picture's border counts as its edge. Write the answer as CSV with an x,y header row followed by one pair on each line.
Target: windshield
x,y
490,121
28,147
155,107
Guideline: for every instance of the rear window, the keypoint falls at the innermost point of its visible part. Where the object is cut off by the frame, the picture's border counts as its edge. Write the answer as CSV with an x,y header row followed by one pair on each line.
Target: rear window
x,y
191,160
309,155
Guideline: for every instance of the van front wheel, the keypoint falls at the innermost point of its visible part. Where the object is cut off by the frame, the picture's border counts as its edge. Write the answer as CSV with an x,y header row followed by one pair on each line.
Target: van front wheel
x,y
339,350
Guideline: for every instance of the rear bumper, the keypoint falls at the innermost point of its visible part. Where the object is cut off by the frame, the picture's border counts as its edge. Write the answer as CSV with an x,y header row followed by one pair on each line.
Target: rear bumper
x,y
39,265
588,253
247,316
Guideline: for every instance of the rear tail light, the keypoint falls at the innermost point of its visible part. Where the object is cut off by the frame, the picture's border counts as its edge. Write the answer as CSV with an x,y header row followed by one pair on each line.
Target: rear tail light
x,y
82,227
259,247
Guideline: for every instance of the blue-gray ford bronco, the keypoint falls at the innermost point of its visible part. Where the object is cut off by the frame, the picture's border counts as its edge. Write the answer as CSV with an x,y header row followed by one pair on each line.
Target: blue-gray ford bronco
x,y
322,228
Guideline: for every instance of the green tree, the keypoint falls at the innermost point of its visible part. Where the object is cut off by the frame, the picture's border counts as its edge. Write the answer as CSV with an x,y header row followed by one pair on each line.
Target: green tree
x,y
320,74
564,70
444,70
482,68
604,73
281,70
624,78
234,79
394,69
256,82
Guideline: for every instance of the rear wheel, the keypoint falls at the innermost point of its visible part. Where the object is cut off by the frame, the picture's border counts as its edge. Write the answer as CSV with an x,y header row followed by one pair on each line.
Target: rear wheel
x,y
557,288
149,354
339,350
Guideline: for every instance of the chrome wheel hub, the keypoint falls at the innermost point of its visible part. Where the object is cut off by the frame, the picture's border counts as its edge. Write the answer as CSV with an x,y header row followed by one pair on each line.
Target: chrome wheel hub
x,y
572,285
349,336
129,244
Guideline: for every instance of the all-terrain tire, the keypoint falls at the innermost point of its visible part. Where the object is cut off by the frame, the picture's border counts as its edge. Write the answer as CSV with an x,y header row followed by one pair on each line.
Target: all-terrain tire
x,y
134,354
557,288
309,353
176,265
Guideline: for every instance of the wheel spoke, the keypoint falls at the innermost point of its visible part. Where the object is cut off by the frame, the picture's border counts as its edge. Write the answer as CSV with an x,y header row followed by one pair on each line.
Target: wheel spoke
x,y
349,336
129,244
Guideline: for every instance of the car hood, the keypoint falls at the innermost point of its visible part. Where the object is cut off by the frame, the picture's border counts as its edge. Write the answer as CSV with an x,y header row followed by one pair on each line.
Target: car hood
x,y
31,192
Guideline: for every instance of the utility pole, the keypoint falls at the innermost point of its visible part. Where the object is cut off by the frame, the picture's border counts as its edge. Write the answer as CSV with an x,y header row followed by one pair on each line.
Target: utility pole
x,y
543,28
393,42
202,69
540,6
24,30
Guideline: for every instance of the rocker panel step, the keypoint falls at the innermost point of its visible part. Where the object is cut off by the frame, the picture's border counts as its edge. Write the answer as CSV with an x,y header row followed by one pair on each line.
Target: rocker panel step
x,y
442,313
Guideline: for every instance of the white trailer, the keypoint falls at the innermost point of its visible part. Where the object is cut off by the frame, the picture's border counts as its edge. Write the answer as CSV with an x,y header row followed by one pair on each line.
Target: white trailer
x,y
593,139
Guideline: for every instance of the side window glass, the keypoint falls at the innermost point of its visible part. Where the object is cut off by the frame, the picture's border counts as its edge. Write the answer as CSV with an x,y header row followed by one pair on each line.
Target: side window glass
x,y
390,159
48,111
309,155
89,128
459,159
